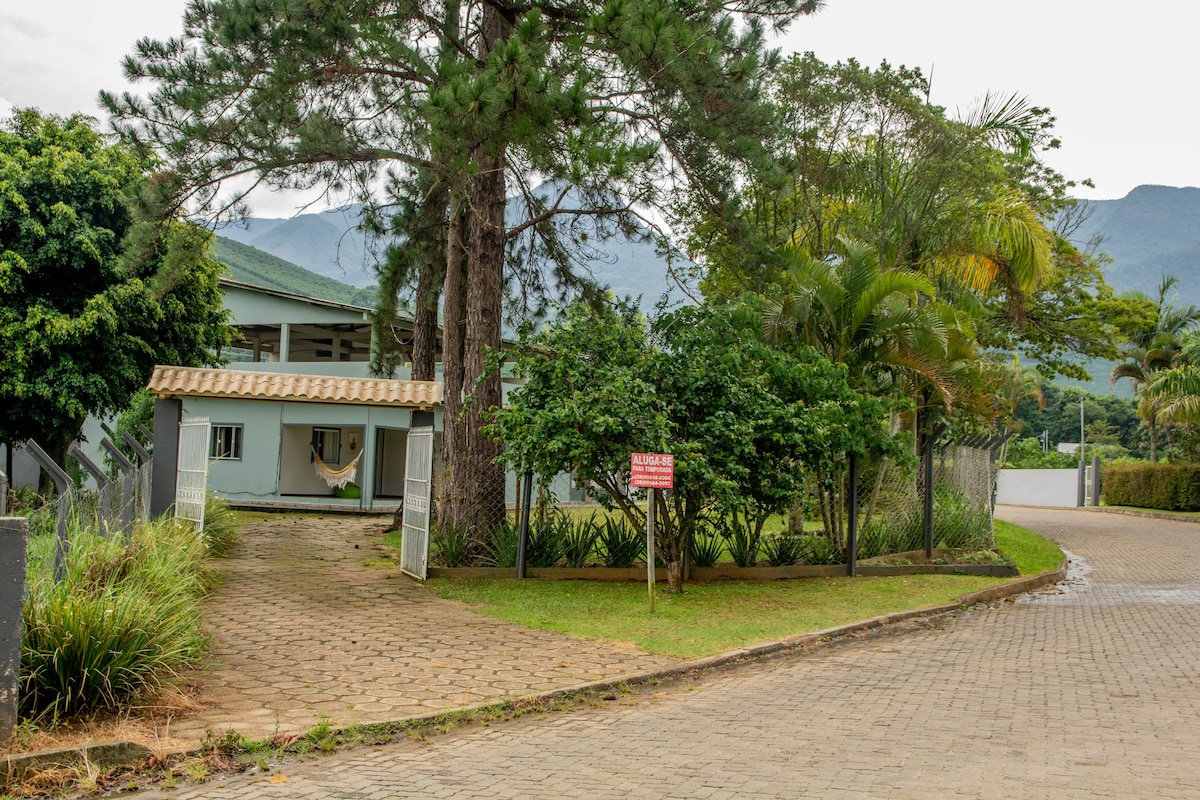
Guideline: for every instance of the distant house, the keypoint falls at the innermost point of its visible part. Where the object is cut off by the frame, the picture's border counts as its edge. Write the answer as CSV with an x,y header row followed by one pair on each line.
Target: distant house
x,y
298,402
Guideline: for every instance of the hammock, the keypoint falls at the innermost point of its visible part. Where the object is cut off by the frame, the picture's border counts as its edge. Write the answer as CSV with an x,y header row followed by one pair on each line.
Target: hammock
x,y
336,478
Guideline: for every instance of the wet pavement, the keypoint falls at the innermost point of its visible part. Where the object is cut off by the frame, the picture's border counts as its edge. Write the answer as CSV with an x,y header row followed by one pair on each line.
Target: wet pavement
x,y
1085,690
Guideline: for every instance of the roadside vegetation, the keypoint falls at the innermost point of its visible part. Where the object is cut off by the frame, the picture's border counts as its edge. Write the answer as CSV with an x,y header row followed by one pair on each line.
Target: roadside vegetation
x,y
711,618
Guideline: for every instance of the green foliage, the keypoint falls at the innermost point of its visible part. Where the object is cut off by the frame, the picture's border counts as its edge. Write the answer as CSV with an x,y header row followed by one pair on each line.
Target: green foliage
x,y
579,541
450,543
819,550
124,621
500,550
1026,453
707,548
1169,487
784,549
744,421
547,539
621,545
91,298
958,522
220,532
741,543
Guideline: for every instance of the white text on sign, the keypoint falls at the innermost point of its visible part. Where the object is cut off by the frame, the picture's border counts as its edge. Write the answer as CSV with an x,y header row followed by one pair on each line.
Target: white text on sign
x,y
652,470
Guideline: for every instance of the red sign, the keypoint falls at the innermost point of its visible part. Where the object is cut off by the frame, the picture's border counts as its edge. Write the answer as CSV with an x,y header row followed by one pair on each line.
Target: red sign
x,y
652,471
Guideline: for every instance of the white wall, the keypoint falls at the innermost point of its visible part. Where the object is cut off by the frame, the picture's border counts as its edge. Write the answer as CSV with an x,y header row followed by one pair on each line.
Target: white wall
x,y
1038,487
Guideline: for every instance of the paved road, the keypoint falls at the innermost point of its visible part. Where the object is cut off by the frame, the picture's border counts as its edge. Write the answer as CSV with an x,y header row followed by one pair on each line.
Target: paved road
x,y
310,627
1088,690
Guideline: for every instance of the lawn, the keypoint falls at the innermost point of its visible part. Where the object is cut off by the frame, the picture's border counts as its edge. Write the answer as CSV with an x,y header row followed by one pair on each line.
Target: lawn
x,y
711,618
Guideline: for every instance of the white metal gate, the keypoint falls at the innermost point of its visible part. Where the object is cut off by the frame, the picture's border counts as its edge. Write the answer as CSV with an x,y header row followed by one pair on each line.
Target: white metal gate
x,y
191,472
418,483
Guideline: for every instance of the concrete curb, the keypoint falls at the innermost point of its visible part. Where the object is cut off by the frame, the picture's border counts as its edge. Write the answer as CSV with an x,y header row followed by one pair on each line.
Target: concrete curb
x,y
97,754
113,754
1129,512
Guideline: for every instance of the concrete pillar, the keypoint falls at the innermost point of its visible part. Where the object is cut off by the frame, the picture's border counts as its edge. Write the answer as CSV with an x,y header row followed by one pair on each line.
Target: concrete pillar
x,y
285,335
168,413
14,537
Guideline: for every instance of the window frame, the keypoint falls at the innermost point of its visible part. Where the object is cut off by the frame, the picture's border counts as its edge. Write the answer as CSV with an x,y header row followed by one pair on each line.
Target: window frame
x,y
235,449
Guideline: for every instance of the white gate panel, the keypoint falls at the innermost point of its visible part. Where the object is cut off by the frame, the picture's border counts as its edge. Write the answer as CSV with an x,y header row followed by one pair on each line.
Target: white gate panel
x,y
191,473
418,485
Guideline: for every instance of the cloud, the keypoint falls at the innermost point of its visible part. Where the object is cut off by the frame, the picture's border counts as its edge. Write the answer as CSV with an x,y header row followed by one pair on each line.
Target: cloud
x,y
28,28
6,109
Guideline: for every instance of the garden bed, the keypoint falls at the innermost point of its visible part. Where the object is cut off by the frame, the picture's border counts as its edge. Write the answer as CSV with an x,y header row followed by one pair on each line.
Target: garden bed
x,y
728,572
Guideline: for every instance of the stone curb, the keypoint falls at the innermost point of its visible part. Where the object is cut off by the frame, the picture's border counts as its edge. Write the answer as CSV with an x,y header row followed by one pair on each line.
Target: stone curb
x,y
101,754
1129,512
128,753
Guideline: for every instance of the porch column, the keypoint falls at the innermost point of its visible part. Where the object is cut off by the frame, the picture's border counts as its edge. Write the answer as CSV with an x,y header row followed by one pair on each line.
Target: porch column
x,y
285,331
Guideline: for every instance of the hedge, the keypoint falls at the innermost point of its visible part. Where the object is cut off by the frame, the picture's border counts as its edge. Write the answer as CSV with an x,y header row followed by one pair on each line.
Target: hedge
x,y
1168,487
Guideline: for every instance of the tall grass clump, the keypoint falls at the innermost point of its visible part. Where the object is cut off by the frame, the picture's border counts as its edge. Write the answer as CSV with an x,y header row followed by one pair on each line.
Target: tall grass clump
x,y
620,544
220,532
123,621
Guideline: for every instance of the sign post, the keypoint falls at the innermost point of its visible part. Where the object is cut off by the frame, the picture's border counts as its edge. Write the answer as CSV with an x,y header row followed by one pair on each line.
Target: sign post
x,y
651,471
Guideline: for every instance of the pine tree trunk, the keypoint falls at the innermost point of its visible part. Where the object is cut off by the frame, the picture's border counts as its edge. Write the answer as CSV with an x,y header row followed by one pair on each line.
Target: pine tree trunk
x,y
425,319
453,322
481,479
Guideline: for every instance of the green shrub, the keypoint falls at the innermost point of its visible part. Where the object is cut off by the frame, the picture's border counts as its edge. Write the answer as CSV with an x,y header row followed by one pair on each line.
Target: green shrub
x,y
1168,487
620,545
450,543
500,550
547,539
579,540
816,549
958,522
707,548
125,618
784,549
741,543
220,532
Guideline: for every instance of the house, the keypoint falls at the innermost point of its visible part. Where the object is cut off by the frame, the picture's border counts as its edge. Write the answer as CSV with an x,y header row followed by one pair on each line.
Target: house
x,y
295,406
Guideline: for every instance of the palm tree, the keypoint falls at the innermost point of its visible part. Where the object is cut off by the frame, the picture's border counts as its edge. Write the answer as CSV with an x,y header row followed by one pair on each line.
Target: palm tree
x,y
882,324
1156,348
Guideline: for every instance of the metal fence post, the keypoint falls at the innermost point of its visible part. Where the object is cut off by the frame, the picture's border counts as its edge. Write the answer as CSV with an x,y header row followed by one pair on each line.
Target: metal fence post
x,y
127,471
62,482
523,525
14,538
102,482
852,541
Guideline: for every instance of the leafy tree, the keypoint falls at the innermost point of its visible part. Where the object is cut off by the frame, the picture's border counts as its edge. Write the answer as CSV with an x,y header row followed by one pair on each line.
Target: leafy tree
x,y
82,321
459,103
1156,347
744,421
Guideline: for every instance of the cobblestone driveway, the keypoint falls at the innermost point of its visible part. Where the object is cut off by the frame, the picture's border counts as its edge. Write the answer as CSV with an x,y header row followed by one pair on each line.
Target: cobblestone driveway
x,y
1088,690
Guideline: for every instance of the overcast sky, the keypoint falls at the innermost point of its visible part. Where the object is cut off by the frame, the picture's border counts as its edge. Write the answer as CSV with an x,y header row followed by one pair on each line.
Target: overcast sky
x,y
1119,78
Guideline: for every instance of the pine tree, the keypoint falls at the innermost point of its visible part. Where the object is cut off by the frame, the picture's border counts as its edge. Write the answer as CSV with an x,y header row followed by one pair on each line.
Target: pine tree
x,y
620,101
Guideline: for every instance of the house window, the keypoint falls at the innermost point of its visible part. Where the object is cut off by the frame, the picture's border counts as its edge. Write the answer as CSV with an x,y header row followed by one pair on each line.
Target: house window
x,y
226,442
327,444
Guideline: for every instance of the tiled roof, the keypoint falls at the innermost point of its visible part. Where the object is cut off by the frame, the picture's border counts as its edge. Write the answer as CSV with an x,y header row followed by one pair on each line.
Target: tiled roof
x,y
249,385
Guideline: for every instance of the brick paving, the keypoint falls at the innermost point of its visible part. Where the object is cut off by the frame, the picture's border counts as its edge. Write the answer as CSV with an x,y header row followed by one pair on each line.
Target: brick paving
x,y
310,624
1086,690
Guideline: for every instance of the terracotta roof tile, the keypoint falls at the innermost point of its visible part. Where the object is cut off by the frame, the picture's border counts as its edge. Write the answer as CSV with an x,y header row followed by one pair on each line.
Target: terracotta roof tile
x,y
250,385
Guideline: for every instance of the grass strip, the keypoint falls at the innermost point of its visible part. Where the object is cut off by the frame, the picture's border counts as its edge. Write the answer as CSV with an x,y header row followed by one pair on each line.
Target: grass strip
x,y
712,618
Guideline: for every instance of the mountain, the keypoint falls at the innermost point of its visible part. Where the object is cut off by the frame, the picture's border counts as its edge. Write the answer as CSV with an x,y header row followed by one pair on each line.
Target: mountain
x,y
251,265
327,243
1152,231
330,244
